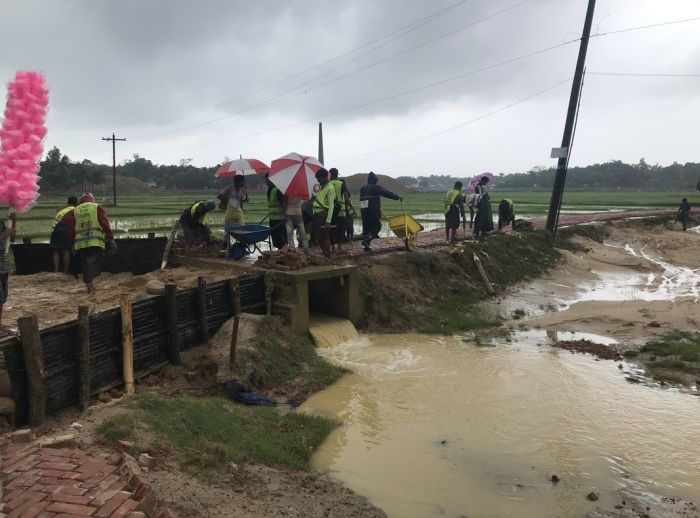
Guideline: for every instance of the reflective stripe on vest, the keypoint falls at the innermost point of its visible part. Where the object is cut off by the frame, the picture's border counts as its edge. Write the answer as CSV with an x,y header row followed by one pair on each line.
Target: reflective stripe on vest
x,y
60,214
204,220
321,199
338,186
274,207
450,198
88,231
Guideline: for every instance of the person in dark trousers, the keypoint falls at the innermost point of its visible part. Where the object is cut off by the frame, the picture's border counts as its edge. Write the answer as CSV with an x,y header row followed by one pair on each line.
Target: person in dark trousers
x,y
5,234
195,220
506,214
59,242
483,222
371,208
275,202
90,231
454,211
324,202
342,205
684,213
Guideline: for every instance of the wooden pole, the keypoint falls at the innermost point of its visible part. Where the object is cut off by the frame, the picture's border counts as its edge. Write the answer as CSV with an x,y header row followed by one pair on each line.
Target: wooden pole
x,y
235,294
202,306
169,244
83,357
171,317
268,293
127,343
484,277
34,365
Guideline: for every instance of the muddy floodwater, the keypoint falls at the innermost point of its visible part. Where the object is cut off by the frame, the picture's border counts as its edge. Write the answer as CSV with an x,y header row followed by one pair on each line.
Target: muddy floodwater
x,y
438,426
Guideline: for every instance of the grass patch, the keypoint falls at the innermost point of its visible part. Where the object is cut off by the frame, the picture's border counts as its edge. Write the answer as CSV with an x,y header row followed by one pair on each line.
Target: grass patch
x,y
209,433
677,345
456,313
593,232
281,357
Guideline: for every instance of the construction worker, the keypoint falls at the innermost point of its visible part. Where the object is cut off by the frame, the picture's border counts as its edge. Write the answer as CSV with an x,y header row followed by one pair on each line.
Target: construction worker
x,y
275,202
453,209
343,205
371,208
194,221
323,211
506,214
683,213
89,231
60,239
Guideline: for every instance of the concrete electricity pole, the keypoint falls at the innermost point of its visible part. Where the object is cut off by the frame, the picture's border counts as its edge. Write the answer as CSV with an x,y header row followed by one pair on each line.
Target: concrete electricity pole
x,y
320,143
563,153
114,164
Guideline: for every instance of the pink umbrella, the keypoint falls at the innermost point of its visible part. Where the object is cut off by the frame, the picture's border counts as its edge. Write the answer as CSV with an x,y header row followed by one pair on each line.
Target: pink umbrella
x,y
294,175
241,166
475,181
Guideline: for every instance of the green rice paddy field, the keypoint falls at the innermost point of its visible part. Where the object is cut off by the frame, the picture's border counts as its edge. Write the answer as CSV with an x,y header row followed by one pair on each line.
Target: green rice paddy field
x,y
137,215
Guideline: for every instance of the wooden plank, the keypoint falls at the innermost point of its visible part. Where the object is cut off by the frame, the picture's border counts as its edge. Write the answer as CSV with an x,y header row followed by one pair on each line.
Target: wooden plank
x,y
235,294
171,318
484,277
83,357
34,366
169,245
127,343
202,309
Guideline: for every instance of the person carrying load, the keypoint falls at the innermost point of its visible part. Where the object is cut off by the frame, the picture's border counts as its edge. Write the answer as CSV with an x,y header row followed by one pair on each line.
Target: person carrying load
x,y
89,231
195,224
453,209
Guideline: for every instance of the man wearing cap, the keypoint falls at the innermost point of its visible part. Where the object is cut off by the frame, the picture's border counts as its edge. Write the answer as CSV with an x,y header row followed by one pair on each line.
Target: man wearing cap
x,y
89,230
194,221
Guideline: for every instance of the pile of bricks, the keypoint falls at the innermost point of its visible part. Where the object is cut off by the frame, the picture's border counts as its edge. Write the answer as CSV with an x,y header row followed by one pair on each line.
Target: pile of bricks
x,y
54,482
284,260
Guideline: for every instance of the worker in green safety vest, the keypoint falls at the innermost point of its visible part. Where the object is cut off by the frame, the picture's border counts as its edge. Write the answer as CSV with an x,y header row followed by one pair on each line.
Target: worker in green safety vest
x,y
275,202
194,221
343,207
90,232
59,242
453,209
323,207
506,214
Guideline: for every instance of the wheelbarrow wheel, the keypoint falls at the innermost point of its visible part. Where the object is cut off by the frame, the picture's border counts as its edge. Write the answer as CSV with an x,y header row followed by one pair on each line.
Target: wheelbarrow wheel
x,y
410,243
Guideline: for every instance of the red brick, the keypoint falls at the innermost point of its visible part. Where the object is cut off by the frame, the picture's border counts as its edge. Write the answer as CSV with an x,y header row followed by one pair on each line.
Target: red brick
x,y
54,473
77,491
124,509
34,510
16,463
74,509
20,510
60,466
12,495
70,499
111,506
72,475
46,514
136,514
53,481
26,480
102,498
20,499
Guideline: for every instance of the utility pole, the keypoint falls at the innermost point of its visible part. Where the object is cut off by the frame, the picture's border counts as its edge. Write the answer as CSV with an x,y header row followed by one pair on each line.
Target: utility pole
x,y
320,142
114,164
564,151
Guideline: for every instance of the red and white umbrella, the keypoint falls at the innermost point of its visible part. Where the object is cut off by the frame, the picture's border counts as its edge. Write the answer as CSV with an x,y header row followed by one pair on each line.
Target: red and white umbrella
x,y
294,175
242,166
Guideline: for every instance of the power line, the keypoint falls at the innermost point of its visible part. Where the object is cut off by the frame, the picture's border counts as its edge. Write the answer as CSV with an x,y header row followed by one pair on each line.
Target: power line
x,y
296,90
390,97
640,74
452,128
642,27
392,36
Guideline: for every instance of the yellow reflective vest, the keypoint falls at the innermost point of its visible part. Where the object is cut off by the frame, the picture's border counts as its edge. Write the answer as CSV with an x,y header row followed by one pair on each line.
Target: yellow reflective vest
x,y
321,199
88,231
338,186
204,220
450,198
60,214
274,207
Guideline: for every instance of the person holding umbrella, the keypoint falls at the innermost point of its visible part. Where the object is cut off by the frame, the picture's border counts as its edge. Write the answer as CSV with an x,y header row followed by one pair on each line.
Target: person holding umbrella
x,y
323,206
483,222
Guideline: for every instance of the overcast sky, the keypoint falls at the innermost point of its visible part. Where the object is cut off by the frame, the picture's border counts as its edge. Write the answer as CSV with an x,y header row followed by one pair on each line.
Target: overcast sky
x,y
213,78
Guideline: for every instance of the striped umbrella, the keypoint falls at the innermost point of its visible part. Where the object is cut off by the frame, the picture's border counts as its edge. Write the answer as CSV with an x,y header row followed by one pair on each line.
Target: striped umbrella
x,y
294,175
241,166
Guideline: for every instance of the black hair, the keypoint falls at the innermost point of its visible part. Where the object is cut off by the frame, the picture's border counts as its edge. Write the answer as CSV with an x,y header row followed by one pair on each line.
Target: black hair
x,y
72,200
458,185
333,172
321,173
238,180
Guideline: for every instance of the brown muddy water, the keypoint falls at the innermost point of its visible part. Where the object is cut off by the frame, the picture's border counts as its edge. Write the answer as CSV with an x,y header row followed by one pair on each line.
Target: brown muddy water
x,y
438,426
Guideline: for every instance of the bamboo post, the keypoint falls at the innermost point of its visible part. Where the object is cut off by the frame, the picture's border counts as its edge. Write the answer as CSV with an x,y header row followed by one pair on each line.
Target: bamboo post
x,y
83,357
484,277
269,287
34,365
127,343
202,307
171,317
235,294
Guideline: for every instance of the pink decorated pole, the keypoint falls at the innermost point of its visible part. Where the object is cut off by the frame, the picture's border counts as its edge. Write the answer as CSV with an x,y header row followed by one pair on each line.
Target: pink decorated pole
x,y
22,134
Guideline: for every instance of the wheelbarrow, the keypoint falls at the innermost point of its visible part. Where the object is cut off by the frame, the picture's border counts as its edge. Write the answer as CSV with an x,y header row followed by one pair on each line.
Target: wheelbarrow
x,y
247,239
406,227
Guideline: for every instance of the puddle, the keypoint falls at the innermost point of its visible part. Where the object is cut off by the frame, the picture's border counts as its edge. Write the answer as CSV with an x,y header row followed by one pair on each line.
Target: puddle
x,y
434,426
